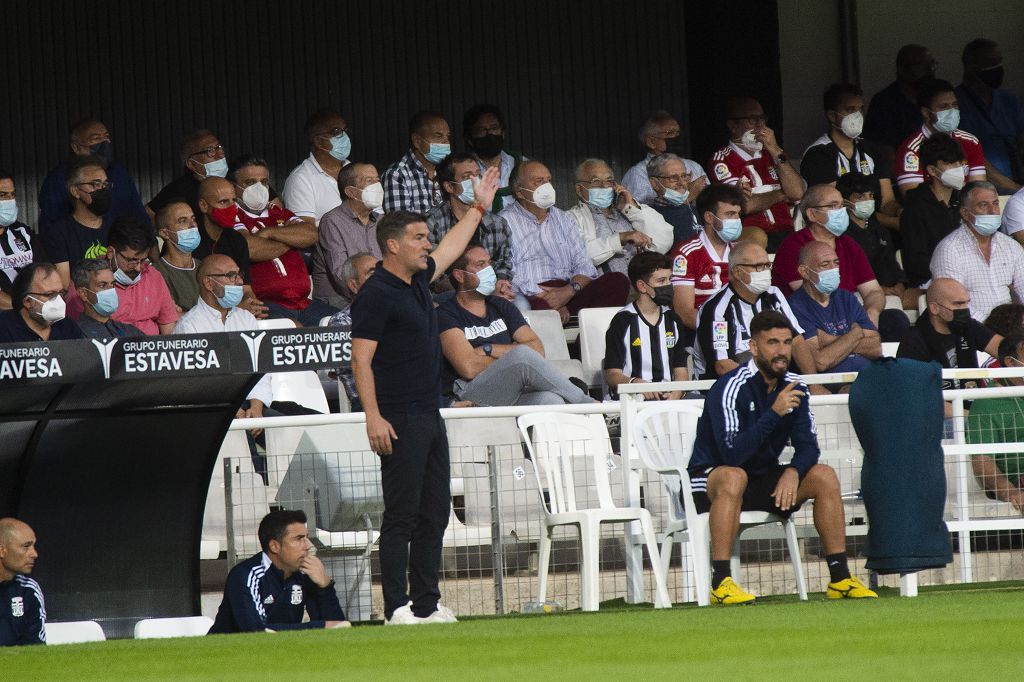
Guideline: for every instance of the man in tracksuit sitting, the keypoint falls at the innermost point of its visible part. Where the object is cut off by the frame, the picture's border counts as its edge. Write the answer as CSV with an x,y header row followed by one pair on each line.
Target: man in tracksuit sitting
x,y
749,415
271,590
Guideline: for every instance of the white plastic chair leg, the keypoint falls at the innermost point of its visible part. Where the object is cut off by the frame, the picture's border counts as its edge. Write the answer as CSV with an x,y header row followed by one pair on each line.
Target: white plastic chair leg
x,y
661,598
793,544
700,540
688,567
908,584
590,590
544,558
666,555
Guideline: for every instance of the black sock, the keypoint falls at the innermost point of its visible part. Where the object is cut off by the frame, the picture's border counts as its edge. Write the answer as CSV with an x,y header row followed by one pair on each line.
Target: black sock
x,y
720,570
838,569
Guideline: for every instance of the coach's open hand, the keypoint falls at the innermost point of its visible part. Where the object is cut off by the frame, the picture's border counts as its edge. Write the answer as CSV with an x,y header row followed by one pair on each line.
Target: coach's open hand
x,y
380,432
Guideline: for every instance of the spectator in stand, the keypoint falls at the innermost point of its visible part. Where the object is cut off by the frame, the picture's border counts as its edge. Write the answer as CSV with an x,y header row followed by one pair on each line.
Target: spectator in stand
x,y
894,113
756,163
1006,319
23,616
700,267
837,329
660,134
842,151
983,259
491,355
16,249
311,189
646,341
410,183
874,238
1001,420
38,314
669,179
484,130
274,235
456,175
203,157
614,227
143,298
83,234
176,225
1013,217
95,285
347,229
931,210
275,588
550,265
355,272
994,115
89,138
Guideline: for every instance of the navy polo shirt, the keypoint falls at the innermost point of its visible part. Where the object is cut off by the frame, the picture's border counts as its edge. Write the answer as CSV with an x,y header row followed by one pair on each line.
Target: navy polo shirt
x,y
401,318
14,330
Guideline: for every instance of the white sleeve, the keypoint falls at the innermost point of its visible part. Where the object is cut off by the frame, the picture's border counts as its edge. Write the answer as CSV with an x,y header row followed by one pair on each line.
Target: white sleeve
x,y
299,197
653,224
1013,214
599,249
262,391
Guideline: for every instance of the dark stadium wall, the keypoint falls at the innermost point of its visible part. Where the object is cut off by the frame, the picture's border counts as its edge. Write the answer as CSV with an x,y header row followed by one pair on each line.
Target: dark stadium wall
x,y
574,78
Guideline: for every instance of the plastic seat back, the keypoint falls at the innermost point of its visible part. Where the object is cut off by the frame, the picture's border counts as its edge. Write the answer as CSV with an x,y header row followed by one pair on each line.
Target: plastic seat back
x,y
160,628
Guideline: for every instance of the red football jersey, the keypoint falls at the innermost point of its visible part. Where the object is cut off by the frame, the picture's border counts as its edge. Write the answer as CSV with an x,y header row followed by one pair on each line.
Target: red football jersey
x,y
284,279
695,264
907,166
731,163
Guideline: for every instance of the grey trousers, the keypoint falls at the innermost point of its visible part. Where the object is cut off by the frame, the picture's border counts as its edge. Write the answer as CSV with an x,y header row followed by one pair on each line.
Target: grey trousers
x,y
520,377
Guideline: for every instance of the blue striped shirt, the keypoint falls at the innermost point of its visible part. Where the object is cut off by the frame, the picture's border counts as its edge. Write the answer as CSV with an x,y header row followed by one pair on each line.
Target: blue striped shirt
x,y
545,250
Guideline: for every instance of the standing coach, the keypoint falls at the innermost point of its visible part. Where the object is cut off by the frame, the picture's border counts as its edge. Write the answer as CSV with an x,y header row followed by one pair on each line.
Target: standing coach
x,y
396,362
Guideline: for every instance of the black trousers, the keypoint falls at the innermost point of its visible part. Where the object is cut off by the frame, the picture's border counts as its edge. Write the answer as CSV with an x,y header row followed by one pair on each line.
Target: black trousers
x,y
416,481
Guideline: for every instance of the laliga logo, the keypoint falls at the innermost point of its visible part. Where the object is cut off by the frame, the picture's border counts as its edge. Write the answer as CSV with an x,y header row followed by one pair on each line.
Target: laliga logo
x,y
106,349
253,340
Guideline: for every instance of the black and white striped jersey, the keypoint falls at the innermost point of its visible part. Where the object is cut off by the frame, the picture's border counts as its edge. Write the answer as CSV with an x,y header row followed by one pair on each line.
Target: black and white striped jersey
x,y
642,350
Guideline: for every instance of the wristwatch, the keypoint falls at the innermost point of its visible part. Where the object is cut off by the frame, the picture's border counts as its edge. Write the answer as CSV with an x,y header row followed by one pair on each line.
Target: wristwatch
x,y
576,286
781,158
488,349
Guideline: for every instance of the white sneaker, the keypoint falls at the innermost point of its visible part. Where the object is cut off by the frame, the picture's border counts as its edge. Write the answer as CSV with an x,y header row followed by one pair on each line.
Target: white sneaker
x,y
442,615
404,616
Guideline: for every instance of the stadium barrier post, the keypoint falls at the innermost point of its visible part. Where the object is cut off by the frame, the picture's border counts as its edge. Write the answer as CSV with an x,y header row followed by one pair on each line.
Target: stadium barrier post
x,y
497,548
229,514
628,406
964,511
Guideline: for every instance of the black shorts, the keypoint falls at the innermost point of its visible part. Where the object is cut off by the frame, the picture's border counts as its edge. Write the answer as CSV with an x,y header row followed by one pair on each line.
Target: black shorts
x,y
757,496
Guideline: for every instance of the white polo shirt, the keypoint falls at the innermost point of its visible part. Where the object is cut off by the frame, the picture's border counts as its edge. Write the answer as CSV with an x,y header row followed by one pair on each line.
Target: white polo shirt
x,y
309,191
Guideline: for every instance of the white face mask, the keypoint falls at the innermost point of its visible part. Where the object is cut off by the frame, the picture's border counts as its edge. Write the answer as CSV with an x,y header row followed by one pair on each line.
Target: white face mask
x,y
544,196
750,142
852,124
953,177
256,197
372,196
760,281
52,311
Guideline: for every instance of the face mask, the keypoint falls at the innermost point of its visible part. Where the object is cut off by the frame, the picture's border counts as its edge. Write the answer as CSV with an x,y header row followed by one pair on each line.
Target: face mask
x,y
838,221
600,197
8,212
864,209
106,302
961,320
730,229
372,196
488,146
216,169
675,198
122,278
947,120
104,151
225,217
953,177
232,296
852,124
993,77
543,196
662,294
488,281
987,225
52,311
101,200
750,142
256,197
467,195
828,281
187,241
437,152
760,281
341,147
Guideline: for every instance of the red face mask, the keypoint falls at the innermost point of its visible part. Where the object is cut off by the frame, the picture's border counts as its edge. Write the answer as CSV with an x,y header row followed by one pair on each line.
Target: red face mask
x,y
225,217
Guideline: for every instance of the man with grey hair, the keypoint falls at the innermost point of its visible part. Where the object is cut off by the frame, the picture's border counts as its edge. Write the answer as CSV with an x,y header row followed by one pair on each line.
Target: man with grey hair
x,y
670,179
83,233
986,261
614,227
22,609
94,282
660,134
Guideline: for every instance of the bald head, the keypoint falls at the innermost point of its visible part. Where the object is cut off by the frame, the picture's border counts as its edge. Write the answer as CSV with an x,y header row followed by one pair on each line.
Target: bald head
x,y
944,291
816,252
10,528
215,263
17,548
211,188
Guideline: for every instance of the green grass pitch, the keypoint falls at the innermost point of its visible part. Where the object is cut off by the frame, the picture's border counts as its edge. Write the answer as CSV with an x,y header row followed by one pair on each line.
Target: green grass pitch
x,y
943,632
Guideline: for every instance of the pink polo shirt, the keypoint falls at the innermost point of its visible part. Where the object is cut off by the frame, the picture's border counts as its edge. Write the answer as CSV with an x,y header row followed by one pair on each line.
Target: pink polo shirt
x,y
147,303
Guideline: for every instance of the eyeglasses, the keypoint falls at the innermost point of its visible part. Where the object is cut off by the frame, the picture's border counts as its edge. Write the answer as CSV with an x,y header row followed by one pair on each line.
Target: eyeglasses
x,y
674,179
47,295
132,261
757,267
96,185
829,207
667,134
489,130
334,132
209,152
598,182
233,275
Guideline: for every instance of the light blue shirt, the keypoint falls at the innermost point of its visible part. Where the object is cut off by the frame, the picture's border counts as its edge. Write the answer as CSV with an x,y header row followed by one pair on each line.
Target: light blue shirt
x,y
545,250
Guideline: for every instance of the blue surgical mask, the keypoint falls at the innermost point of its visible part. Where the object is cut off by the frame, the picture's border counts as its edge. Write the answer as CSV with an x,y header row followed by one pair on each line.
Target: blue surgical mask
x,y
828,281
216,169
232,296
437,152
106,302
987,225
730,229
341,147
488,281
467,195
8,212
600,197
188,240
947,120
676,198
838,221
122,278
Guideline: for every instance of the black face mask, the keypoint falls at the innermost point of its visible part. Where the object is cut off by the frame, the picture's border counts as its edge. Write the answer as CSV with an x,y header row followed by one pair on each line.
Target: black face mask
x,y
663,295
993,78
961,318
101,200
104,150
488,146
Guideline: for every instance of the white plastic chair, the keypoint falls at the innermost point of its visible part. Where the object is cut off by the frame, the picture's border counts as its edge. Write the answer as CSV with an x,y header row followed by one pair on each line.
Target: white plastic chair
x,y
664,436
557,443
593,326
548,327
74,632
161,628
